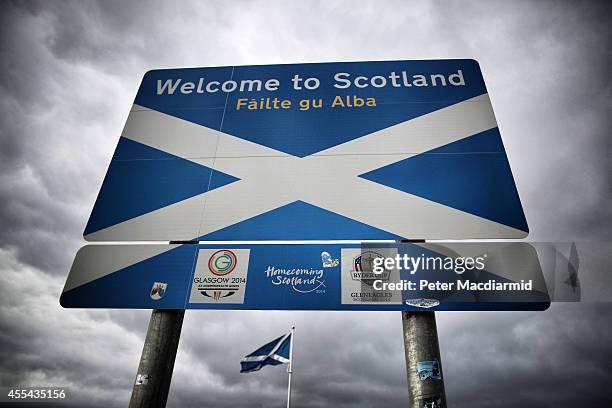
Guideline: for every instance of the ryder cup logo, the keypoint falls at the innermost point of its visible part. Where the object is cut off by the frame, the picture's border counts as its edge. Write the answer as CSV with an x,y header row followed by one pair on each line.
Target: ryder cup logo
x,y
363,268
222,262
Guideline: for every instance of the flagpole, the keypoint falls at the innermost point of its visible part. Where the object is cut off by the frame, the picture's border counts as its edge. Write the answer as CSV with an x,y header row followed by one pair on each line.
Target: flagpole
x,y
290,368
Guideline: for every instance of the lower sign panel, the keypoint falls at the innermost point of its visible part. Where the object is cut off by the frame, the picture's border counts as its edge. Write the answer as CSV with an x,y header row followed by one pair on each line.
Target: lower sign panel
x,y
402,276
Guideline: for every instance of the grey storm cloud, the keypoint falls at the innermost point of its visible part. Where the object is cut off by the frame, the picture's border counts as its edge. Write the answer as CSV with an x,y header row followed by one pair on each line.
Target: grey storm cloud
x,y
68,74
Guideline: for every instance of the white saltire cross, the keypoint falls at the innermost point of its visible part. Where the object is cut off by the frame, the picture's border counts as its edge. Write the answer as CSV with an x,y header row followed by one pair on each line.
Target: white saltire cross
x,y
328,179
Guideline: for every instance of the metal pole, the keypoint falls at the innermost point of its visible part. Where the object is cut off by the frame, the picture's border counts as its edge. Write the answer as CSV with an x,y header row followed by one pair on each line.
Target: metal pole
x,y
423,354
290,368
157,359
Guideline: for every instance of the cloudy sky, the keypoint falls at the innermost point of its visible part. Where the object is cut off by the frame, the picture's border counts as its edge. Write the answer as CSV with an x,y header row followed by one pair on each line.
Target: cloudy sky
x,y
68,74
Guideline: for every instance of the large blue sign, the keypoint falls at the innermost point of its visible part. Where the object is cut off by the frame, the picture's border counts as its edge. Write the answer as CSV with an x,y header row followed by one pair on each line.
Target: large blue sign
x,y
466,276
359,151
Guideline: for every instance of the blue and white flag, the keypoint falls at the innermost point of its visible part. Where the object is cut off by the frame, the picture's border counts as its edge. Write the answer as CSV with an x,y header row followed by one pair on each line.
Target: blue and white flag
x,y
203,158
274,353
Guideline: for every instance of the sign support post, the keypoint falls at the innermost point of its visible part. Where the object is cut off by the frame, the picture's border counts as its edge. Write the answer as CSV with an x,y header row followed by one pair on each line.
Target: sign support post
x,y
422,349
157,359
423,360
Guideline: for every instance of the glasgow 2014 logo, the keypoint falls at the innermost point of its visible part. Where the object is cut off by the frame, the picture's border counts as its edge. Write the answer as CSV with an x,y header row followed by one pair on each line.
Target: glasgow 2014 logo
x,y
222,262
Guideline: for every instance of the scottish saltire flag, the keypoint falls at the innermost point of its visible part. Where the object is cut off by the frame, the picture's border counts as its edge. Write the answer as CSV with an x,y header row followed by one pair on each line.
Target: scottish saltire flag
x,y
274,353
361,151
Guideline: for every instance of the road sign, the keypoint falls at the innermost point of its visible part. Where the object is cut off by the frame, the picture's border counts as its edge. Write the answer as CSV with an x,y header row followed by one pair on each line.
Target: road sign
x,y
359,151
308,277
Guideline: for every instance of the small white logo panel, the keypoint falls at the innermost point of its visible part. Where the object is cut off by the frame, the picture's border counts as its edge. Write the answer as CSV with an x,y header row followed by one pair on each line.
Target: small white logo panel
x,y
220,276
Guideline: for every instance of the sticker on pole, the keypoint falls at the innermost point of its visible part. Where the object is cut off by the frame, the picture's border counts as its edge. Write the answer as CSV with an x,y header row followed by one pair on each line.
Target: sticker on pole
x,y
431,402
350,151
429,370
